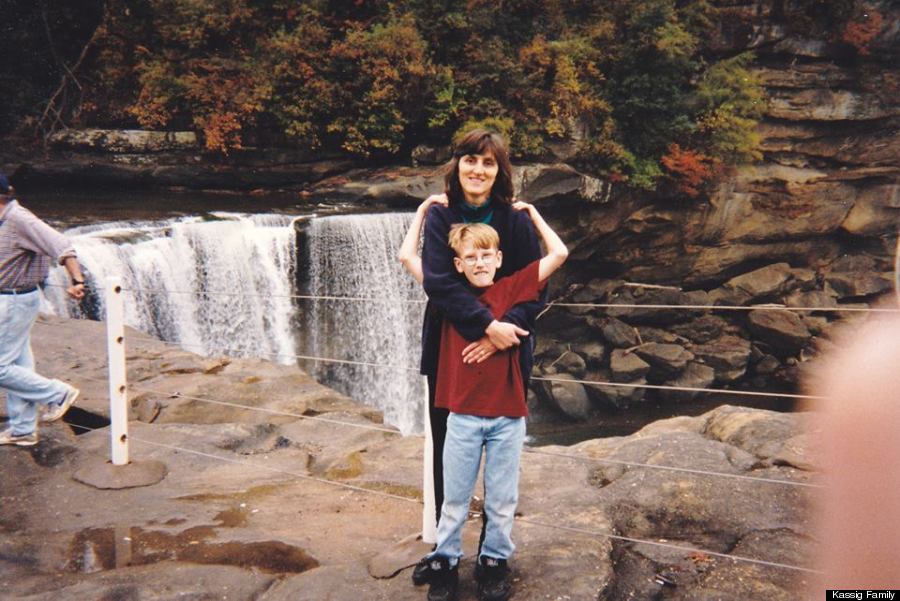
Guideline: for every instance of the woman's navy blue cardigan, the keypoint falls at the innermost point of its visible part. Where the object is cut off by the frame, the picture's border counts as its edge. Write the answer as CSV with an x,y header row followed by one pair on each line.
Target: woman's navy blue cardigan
x,y
449,295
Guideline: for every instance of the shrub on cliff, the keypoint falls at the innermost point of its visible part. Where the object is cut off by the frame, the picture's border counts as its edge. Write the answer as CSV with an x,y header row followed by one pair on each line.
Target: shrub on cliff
x,y
618,81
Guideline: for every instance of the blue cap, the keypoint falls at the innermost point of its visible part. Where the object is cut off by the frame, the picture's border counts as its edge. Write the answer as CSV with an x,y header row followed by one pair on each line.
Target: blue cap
x,y
4,184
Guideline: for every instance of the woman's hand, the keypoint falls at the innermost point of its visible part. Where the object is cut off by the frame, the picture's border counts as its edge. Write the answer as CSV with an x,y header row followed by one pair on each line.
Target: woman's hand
x,y
478,351
434,199
520,205
503,335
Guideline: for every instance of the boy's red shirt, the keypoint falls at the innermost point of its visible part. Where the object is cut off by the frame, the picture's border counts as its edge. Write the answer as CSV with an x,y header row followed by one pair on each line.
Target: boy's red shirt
x,y
494,387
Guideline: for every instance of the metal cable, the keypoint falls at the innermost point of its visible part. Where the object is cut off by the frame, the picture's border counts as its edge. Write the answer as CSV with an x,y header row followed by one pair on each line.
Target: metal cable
x,y
764,307
252,408
673,468
276,355
421,436
518,518
686,549
683,388
538,378
266,467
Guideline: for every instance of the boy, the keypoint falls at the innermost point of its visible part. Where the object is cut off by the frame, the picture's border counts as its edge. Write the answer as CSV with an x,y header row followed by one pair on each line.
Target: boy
x,y
487,407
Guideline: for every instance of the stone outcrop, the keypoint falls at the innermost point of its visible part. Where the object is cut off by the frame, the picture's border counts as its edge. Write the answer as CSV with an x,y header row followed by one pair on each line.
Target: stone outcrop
x,y
300,506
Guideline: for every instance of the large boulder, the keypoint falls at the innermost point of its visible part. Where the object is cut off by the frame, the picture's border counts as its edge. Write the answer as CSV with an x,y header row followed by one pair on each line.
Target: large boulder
x,y
873,208
763,284
541,183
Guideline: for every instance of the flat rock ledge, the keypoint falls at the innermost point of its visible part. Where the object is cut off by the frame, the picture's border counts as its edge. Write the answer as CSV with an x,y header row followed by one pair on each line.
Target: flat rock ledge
x,y
294,508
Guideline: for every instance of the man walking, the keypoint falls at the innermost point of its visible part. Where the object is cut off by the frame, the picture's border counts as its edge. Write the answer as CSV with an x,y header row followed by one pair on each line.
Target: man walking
x,y
27,245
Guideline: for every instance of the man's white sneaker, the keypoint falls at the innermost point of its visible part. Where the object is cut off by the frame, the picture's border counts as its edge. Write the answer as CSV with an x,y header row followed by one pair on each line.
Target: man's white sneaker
x,y
56,410
20,440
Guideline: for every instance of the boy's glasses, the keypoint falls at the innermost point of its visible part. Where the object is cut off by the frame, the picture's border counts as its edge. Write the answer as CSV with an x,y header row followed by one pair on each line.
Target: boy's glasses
x,y
488,260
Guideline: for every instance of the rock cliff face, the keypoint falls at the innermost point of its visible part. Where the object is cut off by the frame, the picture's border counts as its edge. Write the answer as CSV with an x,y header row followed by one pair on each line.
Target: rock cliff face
x,y
813,224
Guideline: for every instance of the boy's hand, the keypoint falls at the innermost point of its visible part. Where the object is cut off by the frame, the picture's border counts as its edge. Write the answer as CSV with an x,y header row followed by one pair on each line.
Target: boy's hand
x,y
504,335
478,351
434,199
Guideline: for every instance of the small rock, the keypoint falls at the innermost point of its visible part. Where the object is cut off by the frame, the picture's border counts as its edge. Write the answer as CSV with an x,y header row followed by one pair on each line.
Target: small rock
x,y
569,397
593,352
627,367
695,375
703,329
618,397
783,330
766,365
727,355
619,333
666,360
571,362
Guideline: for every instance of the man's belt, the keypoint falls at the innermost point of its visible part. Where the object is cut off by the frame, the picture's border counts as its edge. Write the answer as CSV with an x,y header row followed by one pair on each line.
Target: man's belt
x,y
18,290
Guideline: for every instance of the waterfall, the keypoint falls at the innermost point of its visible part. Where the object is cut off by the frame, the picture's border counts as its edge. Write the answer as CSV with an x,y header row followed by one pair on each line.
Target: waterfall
x,y
224,284
215,285
355,256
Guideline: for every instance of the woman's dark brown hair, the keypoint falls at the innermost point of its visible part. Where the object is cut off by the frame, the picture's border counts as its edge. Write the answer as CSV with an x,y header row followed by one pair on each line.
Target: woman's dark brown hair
x,y
481,141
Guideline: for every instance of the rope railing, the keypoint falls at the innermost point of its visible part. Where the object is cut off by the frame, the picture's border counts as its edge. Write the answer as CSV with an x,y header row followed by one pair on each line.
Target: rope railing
x,y
529,450
752,393
276,412
556,526
563,304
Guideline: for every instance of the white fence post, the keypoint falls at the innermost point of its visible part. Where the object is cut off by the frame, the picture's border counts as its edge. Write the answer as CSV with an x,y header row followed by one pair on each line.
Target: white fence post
x,y
115,345
429,527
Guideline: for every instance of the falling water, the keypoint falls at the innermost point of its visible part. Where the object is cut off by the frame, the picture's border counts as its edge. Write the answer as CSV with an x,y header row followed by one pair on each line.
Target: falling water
x,y
224,286
219,286
355,256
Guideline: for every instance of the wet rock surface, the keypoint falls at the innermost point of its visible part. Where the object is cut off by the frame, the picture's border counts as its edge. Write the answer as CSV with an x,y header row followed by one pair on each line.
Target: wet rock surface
x,y
255,509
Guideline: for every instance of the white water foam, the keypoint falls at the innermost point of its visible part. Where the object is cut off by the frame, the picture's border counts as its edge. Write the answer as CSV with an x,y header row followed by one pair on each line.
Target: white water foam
x,y
355,256
214,286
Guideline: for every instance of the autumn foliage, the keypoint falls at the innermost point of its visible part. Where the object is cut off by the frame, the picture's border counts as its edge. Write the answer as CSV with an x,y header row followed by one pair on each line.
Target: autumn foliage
x,y
862,30
688,169
627,89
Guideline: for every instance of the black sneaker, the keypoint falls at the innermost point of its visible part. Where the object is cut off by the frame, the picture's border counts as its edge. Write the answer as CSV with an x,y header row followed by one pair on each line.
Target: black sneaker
x,y
444,580
493,577
422,573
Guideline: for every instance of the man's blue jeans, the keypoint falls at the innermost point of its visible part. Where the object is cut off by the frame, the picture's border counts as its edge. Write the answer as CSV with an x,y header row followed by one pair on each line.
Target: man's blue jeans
x,y
502,439
25,389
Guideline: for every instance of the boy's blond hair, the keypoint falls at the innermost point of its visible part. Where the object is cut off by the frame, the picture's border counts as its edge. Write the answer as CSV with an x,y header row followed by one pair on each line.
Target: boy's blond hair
x,y
482,236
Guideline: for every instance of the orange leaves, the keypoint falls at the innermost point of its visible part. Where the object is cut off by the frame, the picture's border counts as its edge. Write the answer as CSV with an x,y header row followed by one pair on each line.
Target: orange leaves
x,y
221,131
688,169
862,30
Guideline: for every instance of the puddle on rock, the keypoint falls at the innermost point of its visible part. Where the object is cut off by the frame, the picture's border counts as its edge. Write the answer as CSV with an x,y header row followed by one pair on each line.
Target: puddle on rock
x,y
98,549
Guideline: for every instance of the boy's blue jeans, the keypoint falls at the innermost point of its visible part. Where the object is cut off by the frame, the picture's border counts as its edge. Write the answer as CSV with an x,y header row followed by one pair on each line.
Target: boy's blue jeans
x,y
502,439
25,389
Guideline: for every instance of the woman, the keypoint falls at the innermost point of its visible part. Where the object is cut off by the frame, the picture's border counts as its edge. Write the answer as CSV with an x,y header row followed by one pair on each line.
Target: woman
x,y
478,187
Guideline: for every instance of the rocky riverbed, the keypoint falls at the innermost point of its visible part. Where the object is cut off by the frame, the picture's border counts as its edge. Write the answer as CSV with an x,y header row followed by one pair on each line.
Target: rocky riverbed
x,y
262,502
